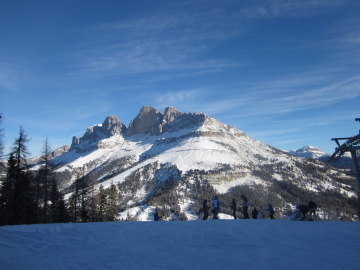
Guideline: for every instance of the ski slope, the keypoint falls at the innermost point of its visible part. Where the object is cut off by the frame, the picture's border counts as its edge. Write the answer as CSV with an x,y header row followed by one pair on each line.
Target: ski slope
x,y
212,244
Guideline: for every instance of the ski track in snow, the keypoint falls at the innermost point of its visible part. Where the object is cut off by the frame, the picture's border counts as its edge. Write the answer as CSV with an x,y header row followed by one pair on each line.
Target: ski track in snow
x,y
212,244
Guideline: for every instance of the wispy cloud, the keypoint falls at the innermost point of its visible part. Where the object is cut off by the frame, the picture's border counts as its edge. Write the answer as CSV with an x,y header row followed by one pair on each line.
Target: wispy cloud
x,y
183,100
291,96
162,42
290,8
298,140
268,100
297,126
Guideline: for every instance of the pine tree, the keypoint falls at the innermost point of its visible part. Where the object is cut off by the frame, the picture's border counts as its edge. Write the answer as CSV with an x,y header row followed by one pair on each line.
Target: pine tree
x,y
38,196
74,201
7,203
43,184
46,171
84,212
23,193
92,204
1,138
26,201
58,210
102,200
112,203
17,197
72,207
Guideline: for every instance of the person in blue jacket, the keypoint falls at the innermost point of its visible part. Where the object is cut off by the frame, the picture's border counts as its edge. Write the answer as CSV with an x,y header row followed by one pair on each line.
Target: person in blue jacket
x,y
216,204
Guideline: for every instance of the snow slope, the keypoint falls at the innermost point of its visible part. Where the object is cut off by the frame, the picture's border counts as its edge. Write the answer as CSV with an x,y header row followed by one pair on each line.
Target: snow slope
x,y
212,244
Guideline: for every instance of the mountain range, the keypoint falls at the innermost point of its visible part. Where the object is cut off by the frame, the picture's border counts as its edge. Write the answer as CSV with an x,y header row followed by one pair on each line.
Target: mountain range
x,y
177,159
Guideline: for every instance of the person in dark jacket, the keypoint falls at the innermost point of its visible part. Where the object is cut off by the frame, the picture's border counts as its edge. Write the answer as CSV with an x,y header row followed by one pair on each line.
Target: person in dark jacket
x,y
312,208
156,216
271,210
233,207
254,213
245,207
206,210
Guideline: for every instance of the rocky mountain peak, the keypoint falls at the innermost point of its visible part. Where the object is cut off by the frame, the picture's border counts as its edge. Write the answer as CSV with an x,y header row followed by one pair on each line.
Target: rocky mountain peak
x,y
170,114
148,121
113,126
152,122
110,127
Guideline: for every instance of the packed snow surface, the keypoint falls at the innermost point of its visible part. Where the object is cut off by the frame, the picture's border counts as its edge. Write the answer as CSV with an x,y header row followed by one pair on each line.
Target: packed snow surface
x,y
211,244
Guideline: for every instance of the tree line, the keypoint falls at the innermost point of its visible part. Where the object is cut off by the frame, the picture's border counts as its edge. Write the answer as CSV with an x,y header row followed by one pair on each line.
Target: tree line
x,y
30,196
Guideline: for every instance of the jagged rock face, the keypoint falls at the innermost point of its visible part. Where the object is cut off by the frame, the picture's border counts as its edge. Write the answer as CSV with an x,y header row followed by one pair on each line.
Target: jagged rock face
x,y
59,151
75,141
113,126
153,122
93,134
170,114
110,127
148,121
183,121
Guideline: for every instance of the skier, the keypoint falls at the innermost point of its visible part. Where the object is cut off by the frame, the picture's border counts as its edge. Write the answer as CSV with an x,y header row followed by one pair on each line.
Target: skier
x,y
245,207
254,213
206,210
233,207
271,210
261,215
312,208
156,216
216,204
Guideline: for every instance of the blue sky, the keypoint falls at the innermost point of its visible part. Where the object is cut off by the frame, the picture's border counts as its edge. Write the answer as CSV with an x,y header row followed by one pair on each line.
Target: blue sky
x,y
285,72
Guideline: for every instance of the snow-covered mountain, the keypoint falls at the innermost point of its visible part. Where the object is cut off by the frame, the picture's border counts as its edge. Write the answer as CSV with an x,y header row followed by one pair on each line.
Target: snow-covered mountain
x,y
184,157
308,152
316,153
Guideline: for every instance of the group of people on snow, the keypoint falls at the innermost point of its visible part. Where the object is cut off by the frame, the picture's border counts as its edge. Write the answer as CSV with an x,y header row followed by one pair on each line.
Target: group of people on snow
x,y
245,209
300,212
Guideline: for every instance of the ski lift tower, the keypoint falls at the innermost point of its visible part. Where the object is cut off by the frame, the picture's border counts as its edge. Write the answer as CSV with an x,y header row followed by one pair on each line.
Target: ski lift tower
x,y
351,145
